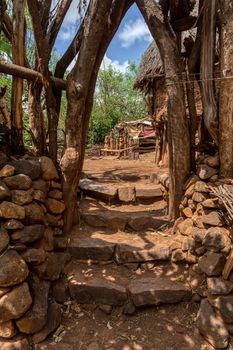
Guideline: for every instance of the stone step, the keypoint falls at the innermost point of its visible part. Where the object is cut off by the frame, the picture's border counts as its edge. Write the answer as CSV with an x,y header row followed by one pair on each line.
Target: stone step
x,y
122,192
117,286
122,247
120,217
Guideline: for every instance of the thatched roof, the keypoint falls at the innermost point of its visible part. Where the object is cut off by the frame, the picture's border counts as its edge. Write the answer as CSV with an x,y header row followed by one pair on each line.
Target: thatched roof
x,y
150,68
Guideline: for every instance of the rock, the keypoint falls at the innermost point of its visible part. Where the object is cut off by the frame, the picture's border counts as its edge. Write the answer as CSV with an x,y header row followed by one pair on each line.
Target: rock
x,y
34,256
196,281
107,309
191,181
178,256
129,308
4,239
56,194
28,234
35,318
216,238
211,203
18,182
189,192
3,158
148,192
21,197
13,269
201,186
213,161
100,190
154,291
211,326
199,197
97,290
13,225
60,291
185,227
224,305
15,303
197,220
188,244
190,258
52,220
205,172
49,172
39,196
56,185
126,194
200,251
27,167
217,285
125,253
53,321
191,204
52,267
46,242
4,290
212,263
187,212
40,185
54,206
34,213
18,344
212,218
10,210
93,346
60,244
7,330
5,193
7,170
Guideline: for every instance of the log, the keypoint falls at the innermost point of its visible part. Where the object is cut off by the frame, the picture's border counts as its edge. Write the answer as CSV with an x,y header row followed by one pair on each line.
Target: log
x,y
29,74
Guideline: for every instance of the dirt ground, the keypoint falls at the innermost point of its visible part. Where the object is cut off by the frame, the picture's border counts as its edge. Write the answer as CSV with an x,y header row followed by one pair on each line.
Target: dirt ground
x,y
87,327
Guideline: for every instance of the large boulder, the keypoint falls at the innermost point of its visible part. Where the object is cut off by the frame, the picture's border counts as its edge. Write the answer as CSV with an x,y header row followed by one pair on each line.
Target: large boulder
x,y
7,170
18,182
49,172
21,197
211,326
29,167
216,238
15,303
35,318
212,263
10,210
13,269
28,234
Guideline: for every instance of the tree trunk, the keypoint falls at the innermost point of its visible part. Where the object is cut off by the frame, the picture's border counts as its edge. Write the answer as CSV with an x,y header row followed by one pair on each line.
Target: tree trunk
x,y
36,119
178,130
18,49
207,69
226,90
100,26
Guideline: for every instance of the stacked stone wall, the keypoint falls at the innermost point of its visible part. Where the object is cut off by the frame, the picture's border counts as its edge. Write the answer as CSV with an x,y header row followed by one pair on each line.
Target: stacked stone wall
x,y
32,249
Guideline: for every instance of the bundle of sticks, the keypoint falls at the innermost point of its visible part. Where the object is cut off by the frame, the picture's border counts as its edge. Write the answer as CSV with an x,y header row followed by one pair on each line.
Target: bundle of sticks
x,y
225,194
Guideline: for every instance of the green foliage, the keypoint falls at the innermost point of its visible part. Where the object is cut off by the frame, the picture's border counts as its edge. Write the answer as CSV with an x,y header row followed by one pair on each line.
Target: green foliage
x,y
115,100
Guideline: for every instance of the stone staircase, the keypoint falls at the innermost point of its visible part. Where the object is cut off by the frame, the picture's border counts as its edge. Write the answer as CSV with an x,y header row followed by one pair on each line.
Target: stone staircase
x,y
121,251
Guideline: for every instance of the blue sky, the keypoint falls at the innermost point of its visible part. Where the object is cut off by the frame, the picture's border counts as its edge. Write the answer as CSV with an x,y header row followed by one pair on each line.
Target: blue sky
x,y
129,43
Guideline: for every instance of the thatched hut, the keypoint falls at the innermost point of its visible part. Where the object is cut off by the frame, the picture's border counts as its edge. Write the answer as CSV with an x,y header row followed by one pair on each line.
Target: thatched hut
x,y
151,81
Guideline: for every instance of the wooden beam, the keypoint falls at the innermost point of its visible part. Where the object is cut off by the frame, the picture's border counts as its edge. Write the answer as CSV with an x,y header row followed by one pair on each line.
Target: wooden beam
x,y
29,74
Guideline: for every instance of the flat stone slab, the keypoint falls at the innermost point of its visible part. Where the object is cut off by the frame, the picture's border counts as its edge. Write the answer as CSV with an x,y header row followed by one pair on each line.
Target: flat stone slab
x,y
91,248
97,290
108,219
96,189
120,246
148,191
155,291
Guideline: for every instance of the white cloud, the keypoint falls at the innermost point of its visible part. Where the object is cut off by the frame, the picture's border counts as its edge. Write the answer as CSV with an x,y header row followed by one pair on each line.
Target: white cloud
x,y
134,31
114,63
70,23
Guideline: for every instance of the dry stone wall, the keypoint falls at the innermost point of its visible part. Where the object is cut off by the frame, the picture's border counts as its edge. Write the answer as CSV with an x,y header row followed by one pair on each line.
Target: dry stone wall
x,y
31,248
207,246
